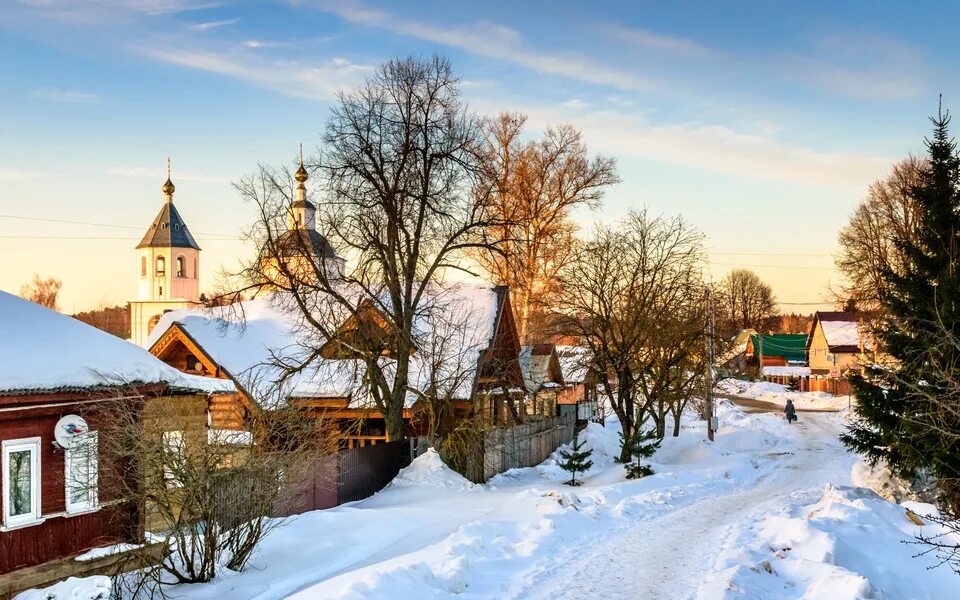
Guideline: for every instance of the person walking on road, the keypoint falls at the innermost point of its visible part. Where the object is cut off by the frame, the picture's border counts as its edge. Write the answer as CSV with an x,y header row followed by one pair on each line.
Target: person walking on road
x,y
790,411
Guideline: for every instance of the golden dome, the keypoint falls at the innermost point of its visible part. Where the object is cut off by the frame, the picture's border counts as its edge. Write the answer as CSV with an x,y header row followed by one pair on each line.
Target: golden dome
x,y
168,187
301,174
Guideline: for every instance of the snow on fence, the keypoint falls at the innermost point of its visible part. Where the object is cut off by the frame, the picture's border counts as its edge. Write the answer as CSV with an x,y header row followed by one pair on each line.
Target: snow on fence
x,y
524,445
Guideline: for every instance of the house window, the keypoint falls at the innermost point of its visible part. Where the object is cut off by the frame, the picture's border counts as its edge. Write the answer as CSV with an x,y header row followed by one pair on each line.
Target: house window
x,y
21,481
80,470
173,457
161,266
196,268
181,267
143,266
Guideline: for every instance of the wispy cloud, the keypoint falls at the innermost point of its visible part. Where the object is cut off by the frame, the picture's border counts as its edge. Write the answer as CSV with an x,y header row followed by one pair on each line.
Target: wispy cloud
x,y
860,66
714,148
69,96
644,38
8,173
495,41
214,24
316,80
93,11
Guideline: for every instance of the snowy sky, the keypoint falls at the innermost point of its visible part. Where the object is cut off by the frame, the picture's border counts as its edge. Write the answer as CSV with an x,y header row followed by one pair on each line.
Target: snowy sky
x,y
761,122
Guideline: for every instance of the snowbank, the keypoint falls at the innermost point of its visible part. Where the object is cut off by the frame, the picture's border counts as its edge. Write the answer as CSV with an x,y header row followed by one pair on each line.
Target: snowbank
x,y
86,588
850,544
429,470
778,394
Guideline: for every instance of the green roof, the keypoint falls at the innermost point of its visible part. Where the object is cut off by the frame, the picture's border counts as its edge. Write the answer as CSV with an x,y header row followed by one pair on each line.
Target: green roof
x,y
791,346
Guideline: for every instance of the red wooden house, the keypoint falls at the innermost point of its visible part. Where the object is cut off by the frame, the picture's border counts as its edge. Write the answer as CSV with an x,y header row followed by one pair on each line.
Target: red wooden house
x,y
59,380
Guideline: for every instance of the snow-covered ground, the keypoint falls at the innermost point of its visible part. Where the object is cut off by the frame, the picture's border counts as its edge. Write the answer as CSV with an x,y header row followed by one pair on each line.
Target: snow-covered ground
x,y
706,525
775,393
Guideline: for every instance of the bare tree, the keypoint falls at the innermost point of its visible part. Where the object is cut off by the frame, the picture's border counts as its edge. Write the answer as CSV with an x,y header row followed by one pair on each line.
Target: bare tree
x,y
535,184
404,201
44,292
618,294
215,499
744,301
872,242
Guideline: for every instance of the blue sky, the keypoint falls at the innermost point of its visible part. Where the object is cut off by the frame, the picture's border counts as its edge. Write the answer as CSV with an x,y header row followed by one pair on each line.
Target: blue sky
x,y
761,122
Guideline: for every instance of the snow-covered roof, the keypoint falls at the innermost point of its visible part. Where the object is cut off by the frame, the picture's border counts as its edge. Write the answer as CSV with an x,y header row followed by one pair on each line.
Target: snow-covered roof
x,y
574,363
842,330
42,350
535,366
787,371
254,341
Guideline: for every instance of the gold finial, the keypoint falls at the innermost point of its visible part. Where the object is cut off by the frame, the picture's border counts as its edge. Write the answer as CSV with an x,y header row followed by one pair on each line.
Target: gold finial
x,y
301,174
168,187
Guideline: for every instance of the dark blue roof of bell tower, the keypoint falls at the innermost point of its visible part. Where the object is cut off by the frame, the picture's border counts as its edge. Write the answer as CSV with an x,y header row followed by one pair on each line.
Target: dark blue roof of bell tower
x,y
168,231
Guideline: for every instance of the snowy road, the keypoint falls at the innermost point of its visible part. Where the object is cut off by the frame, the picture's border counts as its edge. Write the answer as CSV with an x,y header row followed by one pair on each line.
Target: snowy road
x,y
667,556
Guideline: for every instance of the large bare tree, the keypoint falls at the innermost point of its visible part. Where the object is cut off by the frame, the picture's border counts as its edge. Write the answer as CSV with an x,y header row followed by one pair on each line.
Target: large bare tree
x,y
744,301
872,242
535,185
620,294
403,202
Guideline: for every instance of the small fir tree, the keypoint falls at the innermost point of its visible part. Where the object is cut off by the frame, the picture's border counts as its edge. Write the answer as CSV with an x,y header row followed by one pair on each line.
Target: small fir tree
x,y
576,460
793,384
642,444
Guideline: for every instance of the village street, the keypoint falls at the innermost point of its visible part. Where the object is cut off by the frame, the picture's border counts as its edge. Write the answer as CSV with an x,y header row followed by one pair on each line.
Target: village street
x,y
668,556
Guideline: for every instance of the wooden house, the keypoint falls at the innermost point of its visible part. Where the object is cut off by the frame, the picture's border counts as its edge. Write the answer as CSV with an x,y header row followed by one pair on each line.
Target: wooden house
x,y
777,350
542,378
60,382
836,344
252,344
579,393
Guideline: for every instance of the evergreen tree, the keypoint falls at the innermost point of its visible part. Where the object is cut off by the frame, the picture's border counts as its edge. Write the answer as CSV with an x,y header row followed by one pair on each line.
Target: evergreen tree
x,y
793,384
576,460
904,421
642,444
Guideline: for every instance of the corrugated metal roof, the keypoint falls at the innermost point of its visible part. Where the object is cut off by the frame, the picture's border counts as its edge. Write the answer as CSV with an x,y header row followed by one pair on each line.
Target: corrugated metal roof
x,y
791,346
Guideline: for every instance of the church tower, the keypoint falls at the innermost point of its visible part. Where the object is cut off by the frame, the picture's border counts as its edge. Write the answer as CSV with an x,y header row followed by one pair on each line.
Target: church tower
x,y
168,269
301,247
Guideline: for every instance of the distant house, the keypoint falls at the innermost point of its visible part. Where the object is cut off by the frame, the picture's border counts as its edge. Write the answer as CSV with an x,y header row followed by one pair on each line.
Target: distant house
x,y
836,343
778,350
735,357
479,370
60,382
579,395
542,378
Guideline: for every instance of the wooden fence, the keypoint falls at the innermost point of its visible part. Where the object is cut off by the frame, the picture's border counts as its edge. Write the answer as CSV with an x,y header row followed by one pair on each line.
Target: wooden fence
x,y
524,445
838,386
346,476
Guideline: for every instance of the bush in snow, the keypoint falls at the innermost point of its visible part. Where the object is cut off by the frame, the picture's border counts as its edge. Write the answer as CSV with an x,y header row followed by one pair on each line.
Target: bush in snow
x,y
576,460
642,444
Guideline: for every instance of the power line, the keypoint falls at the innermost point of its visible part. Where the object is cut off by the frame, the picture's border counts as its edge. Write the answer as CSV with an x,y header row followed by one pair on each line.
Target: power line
x,y
92,224
719,264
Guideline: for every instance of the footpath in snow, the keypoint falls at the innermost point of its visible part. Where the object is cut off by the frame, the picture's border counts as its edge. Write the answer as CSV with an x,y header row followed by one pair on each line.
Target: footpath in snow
x,y
774,393
766,511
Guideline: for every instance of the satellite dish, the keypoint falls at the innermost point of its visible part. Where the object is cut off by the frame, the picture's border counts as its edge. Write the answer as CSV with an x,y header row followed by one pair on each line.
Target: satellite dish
x,y
69,430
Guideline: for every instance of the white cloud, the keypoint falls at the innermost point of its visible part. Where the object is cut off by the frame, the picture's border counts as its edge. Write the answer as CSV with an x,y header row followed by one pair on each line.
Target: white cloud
x,y
714,148
658,41
214,24
8,173
495,41
316,80
95,11
159,173
69,96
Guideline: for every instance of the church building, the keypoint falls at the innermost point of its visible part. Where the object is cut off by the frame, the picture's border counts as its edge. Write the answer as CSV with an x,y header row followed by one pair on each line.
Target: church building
x,y
168,263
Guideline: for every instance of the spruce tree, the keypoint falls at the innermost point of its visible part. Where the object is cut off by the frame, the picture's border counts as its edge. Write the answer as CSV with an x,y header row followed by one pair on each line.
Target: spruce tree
x,y
642,444
903,421
576,460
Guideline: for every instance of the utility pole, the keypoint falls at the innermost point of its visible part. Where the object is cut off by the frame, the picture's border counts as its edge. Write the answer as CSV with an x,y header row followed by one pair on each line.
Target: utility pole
x,y
760,354
709,408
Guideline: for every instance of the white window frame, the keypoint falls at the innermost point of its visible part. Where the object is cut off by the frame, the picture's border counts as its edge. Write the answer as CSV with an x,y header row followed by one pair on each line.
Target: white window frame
x,y
89,449
34,516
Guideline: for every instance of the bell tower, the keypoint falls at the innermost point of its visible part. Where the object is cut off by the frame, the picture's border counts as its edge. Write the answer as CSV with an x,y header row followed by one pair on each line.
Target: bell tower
x,y
168,268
